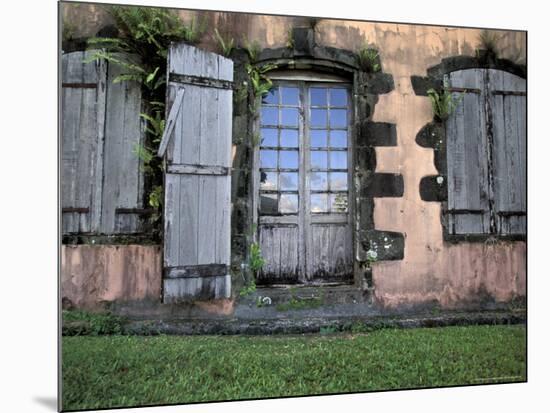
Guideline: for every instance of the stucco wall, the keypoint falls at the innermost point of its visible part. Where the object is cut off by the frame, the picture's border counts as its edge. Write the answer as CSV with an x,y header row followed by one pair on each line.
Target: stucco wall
x,y
92,274
432,269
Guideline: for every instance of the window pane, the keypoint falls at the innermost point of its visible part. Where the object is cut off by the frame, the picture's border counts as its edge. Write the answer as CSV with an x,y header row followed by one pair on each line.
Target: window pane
x,y
338,118
268,159
318,202
338,97
289,204
318,138
289,96
339,202
288,159
338,160
339,139
289,138
318,96
268,204
272,97
269,137
289,181
319,181
338,181
269,116
268,180
289,117
319,159
318,118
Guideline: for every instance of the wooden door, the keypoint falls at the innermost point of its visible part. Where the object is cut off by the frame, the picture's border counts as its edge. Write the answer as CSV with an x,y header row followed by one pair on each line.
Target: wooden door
x,y
304,184
198,181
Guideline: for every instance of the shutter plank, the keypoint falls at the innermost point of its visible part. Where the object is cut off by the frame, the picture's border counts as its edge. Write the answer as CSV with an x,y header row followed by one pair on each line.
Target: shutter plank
x,y
468,183
509,117
123,172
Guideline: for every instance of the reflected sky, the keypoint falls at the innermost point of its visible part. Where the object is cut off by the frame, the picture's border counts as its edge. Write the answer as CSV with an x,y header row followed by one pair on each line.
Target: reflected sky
x,y
318,96
289,181
338,181
318,181
338,97
318,202
289,204
339,160
269,137
339,139
290,96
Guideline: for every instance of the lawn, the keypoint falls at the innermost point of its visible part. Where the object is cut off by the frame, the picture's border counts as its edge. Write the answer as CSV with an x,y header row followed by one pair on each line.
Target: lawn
x,y
113,371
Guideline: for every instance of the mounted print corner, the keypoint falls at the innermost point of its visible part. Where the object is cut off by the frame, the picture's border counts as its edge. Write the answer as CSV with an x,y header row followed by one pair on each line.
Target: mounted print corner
x,y
226,177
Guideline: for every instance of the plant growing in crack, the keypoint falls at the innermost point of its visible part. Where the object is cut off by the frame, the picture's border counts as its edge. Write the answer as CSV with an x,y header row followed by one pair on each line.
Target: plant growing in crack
x,y
443,102
369,59
254,264
372,256
226,44
488,45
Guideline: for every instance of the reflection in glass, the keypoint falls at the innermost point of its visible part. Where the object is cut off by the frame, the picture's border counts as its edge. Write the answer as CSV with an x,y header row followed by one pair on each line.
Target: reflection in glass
x,y
318,118
338,97
318,181
318,138
289,117
319,159
289,96
268,159
338,181
339,139
268,204
318,202
318,96
288,159
338,118
338,160
269,116
268,180
269,137
289,181
289,138
339,202
272,97
289,204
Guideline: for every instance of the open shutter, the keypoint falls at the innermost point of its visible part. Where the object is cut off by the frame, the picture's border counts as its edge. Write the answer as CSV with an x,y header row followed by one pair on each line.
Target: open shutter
x,y
508,97
102,181
198,180
83,108
467,161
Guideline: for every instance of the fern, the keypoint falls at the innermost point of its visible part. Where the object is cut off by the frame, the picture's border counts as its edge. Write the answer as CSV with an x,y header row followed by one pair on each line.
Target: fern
x,y
253,50
369,60
443,102
226,45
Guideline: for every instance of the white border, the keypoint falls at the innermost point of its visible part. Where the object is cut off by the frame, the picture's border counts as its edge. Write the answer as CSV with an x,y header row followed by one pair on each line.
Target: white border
x,y
29,203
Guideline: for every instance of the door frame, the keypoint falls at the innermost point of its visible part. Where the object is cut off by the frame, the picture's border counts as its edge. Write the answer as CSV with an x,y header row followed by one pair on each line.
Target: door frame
x,y
303,82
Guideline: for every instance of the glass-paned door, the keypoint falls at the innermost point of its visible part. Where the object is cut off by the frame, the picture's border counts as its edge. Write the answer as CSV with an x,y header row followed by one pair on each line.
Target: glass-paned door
x,y
304,165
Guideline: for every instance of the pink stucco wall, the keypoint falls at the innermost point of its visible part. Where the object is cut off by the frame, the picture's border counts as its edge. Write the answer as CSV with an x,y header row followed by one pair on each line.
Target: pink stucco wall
x,y
93,274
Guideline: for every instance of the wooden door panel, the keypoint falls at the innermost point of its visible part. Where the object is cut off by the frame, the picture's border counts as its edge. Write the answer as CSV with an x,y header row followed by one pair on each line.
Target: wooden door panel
x,y
330,253
280,249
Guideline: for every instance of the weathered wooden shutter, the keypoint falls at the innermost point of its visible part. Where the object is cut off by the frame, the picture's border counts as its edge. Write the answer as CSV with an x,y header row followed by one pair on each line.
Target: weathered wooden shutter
x,y
102,181
83,115
467,161
198,180
508,111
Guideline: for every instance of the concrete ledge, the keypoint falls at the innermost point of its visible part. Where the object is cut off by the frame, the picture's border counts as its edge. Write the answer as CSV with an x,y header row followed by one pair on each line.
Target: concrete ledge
x,y
292,325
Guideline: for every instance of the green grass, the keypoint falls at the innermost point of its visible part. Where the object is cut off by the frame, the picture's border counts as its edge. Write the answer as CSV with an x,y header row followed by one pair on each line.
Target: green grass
x,y
112,371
